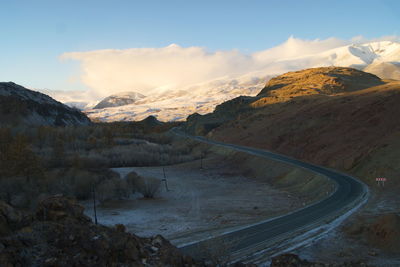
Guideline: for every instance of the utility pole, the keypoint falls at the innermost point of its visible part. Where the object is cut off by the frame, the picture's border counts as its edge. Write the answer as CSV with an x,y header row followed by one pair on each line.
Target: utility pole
x,y
165,180
94,205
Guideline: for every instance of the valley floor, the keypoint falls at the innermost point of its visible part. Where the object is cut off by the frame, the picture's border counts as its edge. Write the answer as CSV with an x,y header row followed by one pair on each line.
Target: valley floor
x,y
200,203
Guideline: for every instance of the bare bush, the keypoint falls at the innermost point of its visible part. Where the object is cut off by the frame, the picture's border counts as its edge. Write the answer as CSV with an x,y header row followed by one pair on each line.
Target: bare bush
x,y
122,189
72,160
218,250
131,179
83,184
147,186
105,191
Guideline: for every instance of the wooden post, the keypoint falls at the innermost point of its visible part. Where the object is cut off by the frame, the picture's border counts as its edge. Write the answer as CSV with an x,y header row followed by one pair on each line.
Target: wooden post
x,y
165,180
94,205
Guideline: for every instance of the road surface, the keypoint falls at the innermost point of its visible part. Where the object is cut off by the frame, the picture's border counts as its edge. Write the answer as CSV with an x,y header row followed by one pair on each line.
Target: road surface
x,y
349,192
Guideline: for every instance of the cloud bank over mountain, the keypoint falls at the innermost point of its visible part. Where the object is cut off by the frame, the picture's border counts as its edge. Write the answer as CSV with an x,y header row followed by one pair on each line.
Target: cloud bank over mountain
x,y
153,70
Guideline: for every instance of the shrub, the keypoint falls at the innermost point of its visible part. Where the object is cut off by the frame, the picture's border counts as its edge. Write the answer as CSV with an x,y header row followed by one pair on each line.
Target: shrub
x,y
121,188
147,186
83,184
105,191
130,179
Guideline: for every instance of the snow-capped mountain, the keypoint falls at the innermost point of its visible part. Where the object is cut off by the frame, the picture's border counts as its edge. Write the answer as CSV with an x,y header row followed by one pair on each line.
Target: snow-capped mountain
x,y
21,105
380,58
120,99
177,104
358,56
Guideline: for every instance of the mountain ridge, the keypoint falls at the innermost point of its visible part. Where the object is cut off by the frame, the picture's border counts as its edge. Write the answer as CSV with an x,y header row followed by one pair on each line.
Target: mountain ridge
x,y
19,105
178,103
120,99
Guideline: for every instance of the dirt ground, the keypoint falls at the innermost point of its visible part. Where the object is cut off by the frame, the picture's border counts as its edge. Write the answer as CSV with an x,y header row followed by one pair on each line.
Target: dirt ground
x,y
199,203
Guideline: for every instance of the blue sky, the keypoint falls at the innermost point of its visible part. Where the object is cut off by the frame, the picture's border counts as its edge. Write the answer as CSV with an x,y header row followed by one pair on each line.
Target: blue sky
x,y
35,33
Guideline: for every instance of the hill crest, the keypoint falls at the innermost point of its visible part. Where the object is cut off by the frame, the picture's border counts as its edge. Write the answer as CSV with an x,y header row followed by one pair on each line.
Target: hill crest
x,y
19,105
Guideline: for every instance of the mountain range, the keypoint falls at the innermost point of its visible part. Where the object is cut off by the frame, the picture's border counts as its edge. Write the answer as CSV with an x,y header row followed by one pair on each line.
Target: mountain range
x,y
380,58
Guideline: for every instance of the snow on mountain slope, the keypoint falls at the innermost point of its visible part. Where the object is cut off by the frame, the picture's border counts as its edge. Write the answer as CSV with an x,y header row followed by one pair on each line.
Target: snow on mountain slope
x,y
177,104
385,70
380,58
120,99
357,56
81,105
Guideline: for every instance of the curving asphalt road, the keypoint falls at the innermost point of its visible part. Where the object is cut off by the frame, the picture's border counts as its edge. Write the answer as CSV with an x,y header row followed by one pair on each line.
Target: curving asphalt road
x,y
348,194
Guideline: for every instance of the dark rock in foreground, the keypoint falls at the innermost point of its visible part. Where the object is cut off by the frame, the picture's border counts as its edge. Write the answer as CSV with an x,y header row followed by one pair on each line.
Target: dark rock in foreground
x,y
59,234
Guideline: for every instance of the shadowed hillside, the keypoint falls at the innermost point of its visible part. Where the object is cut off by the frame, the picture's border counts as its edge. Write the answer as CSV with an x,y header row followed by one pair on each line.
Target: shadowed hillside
x,y
19,105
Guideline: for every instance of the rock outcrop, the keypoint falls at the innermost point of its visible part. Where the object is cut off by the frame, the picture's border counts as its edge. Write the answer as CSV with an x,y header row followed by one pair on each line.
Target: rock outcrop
x,y
59,234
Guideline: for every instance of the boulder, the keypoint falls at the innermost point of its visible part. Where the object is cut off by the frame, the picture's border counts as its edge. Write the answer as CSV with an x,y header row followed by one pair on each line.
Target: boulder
x,y
58,208
10,218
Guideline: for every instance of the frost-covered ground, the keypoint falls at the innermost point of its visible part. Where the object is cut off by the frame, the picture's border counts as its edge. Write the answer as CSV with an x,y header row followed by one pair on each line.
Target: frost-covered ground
x,y
337,246
200,203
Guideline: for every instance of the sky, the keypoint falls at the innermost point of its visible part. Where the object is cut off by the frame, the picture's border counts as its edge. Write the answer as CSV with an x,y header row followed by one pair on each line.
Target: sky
x,y
86,45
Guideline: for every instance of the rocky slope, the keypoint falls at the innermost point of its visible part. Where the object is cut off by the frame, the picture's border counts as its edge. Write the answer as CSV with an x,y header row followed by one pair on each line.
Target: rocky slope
x,y
19,105
118,100
59,234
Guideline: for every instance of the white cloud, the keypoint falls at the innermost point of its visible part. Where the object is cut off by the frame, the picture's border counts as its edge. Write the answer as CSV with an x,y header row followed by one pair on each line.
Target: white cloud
x,y
361,39
144,69
295,47
148,70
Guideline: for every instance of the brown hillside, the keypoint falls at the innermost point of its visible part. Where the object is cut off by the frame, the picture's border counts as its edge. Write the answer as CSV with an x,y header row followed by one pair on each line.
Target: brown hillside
x,y
346,119
338,131
349,121
315,81
324,80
